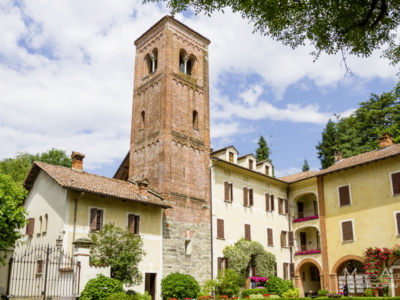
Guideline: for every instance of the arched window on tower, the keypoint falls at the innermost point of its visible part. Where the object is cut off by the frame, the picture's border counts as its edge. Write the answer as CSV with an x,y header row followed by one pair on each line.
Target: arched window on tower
x,y
142,120
148,64
154,60
186,63
195,120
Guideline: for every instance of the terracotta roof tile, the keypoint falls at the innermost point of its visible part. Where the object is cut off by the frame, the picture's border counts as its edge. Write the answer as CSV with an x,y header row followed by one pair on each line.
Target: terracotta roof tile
x,y
348,163
87,182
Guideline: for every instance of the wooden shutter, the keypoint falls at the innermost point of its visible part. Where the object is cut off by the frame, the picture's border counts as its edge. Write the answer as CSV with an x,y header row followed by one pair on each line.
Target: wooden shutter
x,y
220,229
101,219
226,190
396,183
226,263
245,202
398,222
30,226
272,203
270,237
285,270
251,197
231,192
137,224
267,202
291,267
282,239
280,205
286,206
291,239
93,219
347,231
247,232
131,223
344,195
220,264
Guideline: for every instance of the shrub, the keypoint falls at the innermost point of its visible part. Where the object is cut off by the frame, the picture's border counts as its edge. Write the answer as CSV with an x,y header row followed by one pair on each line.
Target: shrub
x,y
256,296
100,288
291,293
369,293
130,292
139,296
248,292
119,296
278,286
322,293
209,287
274,296
229,283
179,286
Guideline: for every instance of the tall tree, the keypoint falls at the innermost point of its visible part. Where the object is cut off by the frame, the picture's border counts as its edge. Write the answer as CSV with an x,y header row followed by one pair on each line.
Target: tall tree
x,y
326,147
262,152
305,167
12,214
347,138
19,166
356,27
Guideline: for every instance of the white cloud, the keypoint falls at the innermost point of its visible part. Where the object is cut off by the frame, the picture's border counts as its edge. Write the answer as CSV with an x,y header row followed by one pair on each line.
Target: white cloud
x,y
290,171
73,88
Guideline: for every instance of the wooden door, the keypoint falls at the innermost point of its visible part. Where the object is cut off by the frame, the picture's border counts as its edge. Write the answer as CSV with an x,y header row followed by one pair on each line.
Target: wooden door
x,y
396,279
303,241
300,209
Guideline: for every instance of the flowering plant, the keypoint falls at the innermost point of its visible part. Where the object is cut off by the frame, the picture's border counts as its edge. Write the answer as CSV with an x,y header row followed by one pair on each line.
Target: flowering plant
x,y
246,297
234,298
375,260
173,299
258,279
223,297
266,295
188,299
311,251
297,220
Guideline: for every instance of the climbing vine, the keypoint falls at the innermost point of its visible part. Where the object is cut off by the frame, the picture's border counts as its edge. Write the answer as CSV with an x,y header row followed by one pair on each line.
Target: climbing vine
x,y
243,252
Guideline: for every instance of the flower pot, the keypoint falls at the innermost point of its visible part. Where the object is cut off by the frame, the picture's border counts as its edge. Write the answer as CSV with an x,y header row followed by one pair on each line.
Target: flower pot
x,y
376,294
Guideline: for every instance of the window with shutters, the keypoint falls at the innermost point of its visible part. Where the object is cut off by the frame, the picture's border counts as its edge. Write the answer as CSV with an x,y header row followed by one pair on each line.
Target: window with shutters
x,y
247,232
395,179
283,206
250,164
284,239
347,231
272,203
285,270
251,197
270,237
96,218
30,226
267,170
231,157
290,238
220,229
228,191
133,223
267,202
291,270
344,195
397,216
245,196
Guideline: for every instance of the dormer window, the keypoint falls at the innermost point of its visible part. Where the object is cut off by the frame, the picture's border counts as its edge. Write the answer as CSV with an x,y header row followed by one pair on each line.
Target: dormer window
x,y
267,170
250,164
231,157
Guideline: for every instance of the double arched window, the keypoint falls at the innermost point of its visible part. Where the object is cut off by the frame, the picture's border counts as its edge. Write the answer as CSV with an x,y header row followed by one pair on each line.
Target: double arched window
x,y
186,63
152,61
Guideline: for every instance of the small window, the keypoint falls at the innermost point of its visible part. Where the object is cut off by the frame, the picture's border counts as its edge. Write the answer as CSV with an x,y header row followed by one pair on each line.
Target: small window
x,y
186,63
270,237
267,170
148,63
347,231
267,202
250,164
245,196
134,223
247,232
285,270
283,206
46,222
228,191
396,183
30,226
96,219
195,120
40,224
220,229
344,195
231,157
284,239
188,247
142,120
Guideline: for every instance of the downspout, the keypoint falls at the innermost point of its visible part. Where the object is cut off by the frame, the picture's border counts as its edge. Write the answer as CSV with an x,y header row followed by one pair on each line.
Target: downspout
x,y
212,240
291,248
73,234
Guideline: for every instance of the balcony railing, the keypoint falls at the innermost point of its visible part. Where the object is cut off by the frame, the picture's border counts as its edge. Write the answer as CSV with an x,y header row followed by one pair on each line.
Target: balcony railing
x,y
307,249
305,216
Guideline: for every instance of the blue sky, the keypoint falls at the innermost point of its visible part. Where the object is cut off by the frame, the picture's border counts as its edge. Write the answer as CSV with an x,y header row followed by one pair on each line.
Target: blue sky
x,y
66,76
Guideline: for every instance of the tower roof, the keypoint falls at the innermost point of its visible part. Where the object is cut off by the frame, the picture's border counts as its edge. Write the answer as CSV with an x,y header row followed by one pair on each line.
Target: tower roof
x,y
172,19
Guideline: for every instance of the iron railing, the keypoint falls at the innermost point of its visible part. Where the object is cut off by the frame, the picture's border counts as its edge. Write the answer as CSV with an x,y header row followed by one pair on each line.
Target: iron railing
x,y
305,216
307,249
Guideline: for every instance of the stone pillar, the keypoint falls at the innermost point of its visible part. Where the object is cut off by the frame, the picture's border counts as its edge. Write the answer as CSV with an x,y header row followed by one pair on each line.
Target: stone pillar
x,y
87,271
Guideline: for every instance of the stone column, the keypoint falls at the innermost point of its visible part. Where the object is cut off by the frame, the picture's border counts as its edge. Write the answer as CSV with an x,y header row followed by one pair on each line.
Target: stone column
x,y
185,60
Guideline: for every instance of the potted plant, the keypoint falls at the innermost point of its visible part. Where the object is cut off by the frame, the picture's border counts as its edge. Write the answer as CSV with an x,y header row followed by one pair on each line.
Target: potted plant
x,y
376,293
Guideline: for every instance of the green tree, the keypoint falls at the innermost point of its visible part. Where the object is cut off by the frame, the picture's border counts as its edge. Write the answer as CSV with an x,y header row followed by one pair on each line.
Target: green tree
x,y
179,286
326,147
12,214
19,166
356,27
306,167
347,138
229,283
262,152
122,250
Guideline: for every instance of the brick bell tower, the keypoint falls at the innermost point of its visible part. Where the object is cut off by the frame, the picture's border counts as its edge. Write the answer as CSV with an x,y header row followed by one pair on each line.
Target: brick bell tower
x,y
170,139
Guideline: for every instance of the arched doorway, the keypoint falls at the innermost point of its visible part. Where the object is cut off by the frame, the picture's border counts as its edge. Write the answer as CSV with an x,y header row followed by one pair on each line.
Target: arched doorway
x,y
308,277
394,268
352,272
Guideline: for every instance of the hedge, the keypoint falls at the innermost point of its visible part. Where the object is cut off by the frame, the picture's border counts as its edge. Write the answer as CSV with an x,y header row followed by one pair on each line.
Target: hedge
x,y
350,298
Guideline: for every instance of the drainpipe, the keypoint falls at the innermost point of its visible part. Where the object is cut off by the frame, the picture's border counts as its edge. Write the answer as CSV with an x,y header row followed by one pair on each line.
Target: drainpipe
x,y
73,235
291,248
212,240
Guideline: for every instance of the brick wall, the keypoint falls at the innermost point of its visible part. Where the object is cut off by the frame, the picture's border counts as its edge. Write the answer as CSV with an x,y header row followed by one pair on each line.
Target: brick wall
x,y
168,151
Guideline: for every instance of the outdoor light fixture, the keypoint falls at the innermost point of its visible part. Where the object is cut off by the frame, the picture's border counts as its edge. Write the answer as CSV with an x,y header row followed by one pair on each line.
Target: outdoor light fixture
x,y
59,242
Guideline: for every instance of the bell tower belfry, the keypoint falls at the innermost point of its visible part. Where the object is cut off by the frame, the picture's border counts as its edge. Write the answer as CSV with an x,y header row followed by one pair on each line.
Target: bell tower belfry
x,y
170,139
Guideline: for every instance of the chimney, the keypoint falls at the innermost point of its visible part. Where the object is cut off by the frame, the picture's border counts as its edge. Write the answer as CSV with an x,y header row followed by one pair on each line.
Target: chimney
x,y
338,156
143,187
385,140
77,161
